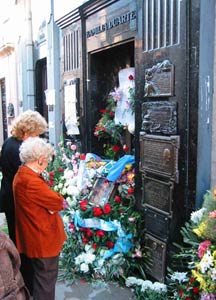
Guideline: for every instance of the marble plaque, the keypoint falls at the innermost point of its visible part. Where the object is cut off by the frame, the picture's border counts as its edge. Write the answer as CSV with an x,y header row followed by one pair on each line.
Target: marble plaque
x,y
157,268
157,194
159,155
159,117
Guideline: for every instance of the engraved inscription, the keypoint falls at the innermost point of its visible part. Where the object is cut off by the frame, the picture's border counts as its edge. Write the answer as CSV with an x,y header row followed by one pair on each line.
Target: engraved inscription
x,y
159,155
156,224
159,80
158,258
157,194
159,117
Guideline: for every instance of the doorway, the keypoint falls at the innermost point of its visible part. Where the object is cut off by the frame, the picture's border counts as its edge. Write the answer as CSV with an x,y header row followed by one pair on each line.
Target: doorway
x,y
104,68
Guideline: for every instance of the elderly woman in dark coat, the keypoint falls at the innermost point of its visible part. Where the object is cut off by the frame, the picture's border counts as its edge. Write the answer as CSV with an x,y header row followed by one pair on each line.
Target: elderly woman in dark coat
x,y
11,282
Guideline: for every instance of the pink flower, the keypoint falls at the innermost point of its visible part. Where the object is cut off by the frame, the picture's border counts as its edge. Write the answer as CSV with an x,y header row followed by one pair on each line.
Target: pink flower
x,y
212,214
203,247
73,147
131,219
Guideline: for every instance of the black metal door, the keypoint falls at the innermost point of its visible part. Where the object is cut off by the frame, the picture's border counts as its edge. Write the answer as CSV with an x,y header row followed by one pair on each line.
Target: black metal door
x,y
166,60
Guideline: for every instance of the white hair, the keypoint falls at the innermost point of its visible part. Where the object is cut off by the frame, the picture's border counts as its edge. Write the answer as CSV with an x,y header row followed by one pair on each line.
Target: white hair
x,y
33,148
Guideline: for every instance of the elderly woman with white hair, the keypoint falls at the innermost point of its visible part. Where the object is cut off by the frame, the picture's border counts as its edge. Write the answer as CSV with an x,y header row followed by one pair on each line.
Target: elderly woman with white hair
x,y
39,228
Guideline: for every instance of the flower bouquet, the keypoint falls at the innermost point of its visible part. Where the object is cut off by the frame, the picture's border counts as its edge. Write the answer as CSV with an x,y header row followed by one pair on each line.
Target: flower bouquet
x,y
104,239
200,257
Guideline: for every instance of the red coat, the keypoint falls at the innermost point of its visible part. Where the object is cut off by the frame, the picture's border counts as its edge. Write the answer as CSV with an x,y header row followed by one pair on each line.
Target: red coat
x,y
39,233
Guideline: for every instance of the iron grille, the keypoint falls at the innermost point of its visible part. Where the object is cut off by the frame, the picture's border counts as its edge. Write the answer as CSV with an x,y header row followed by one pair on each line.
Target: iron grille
x,y
161,23
71,51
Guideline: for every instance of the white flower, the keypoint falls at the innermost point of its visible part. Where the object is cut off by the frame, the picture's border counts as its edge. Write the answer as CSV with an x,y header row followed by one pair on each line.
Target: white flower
x,y
179,276
196,216
89,258
72,190
147,284
130,281
213,274
84,267
68,174
60,185
206,262
159,287
79,259
66,219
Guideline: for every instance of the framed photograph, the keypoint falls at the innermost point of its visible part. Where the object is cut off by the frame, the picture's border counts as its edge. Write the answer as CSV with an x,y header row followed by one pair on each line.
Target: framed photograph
x,y
102,191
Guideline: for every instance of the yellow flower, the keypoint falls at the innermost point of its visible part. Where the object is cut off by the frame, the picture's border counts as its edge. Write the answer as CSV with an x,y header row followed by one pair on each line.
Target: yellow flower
x,y
201,229
200,279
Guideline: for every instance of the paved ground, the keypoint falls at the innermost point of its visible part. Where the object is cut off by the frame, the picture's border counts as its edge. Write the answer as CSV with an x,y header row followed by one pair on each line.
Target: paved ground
x,y
88,291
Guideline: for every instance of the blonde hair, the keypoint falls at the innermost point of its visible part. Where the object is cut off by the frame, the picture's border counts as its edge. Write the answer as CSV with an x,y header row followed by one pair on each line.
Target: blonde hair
x,y
34,148
30,122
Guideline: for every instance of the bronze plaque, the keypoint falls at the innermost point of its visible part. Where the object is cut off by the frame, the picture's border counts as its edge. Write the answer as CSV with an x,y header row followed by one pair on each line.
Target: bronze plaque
x,y
157,194
159,80
159,155
157,224
157,249
159,117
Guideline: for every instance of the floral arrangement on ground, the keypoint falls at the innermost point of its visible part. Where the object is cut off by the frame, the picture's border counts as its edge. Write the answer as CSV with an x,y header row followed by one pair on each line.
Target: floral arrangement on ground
x,y
104,239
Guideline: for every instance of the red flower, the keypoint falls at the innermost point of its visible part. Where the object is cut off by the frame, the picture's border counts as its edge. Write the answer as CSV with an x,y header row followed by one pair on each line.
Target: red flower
x,y
52,173
196,290
131,190
60,169
97,211
109,244
117,199
89,232
111,113
100,233
102,111
94,246
85,240
191,280
130,77
50,183
107,209
82,157
115,148
83,280
82,229
83,204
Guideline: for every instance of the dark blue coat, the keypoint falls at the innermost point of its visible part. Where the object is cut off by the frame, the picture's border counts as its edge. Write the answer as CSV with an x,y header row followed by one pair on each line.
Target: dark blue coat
x,y
10,163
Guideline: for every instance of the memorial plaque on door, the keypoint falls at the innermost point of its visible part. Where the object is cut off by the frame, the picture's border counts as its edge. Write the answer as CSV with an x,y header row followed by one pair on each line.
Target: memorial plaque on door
x,y
159,117
157,224
159,80
159,155
157,194
157,250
